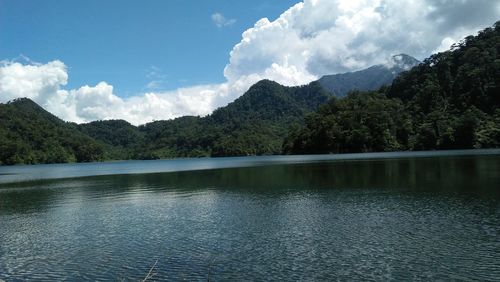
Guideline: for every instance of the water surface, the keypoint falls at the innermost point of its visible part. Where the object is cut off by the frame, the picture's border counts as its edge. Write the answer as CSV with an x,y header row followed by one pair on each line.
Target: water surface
x,y
434,216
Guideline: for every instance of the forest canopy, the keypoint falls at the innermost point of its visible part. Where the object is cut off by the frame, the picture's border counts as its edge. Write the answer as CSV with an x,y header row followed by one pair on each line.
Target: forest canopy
x,y
450,101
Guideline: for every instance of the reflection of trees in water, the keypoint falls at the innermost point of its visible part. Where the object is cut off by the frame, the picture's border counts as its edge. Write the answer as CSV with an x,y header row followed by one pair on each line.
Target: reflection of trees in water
x,y
429,174
475,175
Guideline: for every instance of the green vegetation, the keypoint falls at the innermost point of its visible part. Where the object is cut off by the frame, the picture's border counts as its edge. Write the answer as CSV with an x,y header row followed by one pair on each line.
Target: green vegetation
x,y
31,135
254,124
450,101
360,122
120,139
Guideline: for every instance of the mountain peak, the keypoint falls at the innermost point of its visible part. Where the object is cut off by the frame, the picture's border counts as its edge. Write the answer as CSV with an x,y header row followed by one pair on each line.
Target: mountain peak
x,y
402,62
265,83
30,107
368,79
25,103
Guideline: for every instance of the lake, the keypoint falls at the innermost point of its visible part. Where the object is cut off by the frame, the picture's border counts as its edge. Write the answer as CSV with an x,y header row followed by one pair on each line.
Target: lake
x,y
382,216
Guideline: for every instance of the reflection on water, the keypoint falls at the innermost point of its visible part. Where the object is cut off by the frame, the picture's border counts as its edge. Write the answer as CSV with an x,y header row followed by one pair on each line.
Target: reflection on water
x,y
407,218
10,174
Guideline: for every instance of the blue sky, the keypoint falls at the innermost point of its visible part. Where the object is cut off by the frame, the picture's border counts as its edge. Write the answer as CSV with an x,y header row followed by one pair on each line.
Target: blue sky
x,y
160,59
131,43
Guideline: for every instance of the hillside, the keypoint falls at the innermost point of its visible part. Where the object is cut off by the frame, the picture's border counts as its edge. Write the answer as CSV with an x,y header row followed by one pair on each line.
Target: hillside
x,y
368,79
450,101
254,124
119,138
30,135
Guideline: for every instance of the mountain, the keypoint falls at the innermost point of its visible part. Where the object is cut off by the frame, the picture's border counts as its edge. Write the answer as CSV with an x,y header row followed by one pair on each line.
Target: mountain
x,y
254,124
118,137
368,79
257,122
450,101
29,135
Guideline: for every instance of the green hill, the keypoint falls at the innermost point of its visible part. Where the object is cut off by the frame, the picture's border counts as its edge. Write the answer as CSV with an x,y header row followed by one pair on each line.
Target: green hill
x,y
450,101
30,135
254,124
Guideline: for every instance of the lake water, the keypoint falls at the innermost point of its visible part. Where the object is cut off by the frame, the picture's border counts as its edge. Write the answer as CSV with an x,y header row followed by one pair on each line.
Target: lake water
x,y
388,216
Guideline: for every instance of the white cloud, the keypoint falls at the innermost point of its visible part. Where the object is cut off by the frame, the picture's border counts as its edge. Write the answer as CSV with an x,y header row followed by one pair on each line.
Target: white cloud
x,y
157,79
312,38
42,83
220,21
318,37
35,81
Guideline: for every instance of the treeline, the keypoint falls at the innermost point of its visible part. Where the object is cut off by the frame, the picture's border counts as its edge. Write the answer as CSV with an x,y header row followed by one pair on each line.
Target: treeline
x,y
450,101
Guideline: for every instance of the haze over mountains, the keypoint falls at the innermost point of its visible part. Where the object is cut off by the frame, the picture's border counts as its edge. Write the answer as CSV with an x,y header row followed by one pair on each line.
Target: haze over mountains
x,y
370,78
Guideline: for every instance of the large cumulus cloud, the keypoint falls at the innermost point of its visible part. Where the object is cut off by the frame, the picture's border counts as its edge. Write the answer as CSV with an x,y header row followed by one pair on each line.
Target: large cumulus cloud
x,y
312,38
318,37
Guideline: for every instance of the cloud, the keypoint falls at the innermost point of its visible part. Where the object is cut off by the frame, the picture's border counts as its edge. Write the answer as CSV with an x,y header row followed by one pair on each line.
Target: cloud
x,y
35,81
318,37
220,21
43,83
311,39
157,79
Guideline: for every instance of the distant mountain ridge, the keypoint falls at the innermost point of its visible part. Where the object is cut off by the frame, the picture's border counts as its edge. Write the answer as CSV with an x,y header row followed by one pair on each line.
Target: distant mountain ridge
x,y
448,101
368,79
254,124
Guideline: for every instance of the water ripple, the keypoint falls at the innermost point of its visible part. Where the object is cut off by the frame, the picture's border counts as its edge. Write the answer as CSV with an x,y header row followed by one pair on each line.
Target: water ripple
x,y
305,222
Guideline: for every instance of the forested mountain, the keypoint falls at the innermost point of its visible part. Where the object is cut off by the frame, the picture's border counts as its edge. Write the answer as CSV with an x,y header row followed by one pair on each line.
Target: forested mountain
x,y
29,135
450,101
253,124
368,79
119,138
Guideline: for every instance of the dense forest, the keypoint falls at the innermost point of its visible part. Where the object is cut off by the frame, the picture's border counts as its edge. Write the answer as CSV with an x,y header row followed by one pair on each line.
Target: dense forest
x,y
254,124
31,135
449,101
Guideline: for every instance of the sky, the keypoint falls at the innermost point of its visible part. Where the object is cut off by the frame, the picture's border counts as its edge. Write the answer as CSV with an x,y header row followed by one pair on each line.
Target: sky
x,y
153,60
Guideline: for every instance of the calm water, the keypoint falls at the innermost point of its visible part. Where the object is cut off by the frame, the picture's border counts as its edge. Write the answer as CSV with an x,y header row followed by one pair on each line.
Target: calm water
x,y
398,216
